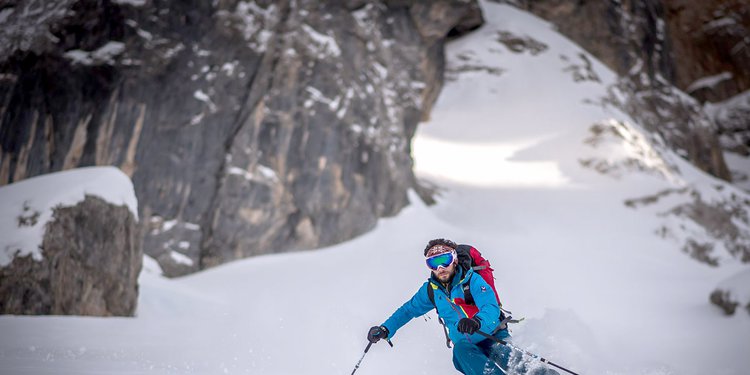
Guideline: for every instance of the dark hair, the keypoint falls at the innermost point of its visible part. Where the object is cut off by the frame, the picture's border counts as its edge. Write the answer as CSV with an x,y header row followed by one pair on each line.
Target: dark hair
x,y
439,241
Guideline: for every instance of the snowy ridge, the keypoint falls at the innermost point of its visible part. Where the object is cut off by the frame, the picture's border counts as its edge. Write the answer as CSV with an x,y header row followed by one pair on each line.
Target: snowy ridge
x,y
706,217
28,204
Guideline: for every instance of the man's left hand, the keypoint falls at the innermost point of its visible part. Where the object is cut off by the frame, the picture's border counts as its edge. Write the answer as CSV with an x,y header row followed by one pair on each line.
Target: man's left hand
x,y
468,325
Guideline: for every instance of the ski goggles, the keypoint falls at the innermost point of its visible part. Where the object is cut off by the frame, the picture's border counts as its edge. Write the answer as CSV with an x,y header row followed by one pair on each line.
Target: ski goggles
x,y
441,260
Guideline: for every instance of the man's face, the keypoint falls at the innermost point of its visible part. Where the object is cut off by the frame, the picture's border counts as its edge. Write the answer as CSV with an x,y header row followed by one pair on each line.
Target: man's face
x,y
444,274
439,255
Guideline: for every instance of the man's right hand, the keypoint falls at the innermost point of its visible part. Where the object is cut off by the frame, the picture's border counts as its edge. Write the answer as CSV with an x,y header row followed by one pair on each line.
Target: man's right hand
x,y
376,333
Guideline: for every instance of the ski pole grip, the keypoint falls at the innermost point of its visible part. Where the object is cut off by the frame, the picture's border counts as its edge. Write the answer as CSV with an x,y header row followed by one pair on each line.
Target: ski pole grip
x,y
368,347
389,342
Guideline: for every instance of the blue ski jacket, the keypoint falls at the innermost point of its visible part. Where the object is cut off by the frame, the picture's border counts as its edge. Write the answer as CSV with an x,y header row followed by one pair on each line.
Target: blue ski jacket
x,y
451,307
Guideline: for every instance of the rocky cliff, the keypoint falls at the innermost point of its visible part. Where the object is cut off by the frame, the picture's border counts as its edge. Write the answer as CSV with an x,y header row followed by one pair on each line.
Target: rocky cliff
x,y
90,265
702,48
248,127
699,46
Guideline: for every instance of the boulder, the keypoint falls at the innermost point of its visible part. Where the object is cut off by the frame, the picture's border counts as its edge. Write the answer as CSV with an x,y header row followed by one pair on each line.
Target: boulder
x,y
732,293
90,263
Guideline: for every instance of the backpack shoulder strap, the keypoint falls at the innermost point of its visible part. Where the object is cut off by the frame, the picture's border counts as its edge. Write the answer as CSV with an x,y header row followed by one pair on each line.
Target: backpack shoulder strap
x,y
431,292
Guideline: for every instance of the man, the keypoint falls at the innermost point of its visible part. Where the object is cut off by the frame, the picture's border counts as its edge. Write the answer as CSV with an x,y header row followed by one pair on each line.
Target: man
x,y
473,354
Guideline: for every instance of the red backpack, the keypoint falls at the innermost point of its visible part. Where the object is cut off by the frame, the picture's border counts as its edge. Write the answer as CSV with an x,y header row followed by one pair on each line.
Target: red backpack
x,y
470,257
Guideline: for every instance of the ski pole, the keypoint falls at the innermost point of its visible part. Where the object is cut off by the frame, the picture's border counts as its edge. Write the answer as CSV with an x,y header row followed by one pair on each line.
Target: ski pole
x,y
363,354
544,360
363,357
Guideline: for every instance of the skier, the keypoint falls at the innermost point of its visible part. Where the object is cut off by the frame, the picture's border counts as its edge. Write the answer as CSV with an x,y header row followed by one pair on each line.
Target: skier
x,y
473,354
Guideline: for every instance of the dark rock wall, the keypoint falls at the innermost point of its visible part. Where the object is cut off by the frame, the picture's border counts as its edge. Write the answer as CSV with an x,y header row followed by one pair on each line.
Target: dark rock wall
x,y
247,127
710,39
90,266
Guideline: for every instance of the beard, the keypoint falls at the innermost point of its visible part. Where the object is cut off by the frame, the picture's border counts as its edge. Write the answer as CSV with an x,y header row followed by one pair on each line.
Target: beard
x,y
445,276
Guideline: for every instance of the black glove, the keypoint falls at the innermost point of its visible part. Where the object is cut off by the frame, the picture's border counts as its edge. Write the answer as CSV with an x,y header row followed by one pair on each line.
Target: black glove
x,y
469,325
376,333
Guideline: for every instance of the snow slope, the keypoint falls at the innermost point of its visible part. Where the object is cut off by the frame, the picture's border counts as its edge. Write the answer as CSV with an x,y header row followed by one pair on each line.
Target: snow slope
x,y
601,293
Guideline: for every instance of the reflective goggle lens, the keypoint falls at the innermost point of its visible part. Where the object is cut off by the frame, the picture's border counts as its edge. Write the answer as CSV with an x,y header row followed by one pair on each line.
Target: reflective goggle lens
x,y
440,260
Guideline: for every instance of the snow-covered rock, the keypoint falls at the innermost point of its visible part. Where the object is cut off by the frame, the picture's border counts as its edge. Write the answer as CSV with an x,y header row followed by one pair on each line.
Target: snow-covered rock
x,y
69,244
732,116
733,293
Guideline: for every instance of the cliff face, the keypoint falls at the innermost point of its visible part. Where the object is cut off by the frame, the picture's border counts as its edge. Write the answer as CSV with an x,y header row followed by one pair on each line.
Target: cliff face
x,y
90,265
686,42
247,127
699,47
710,47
